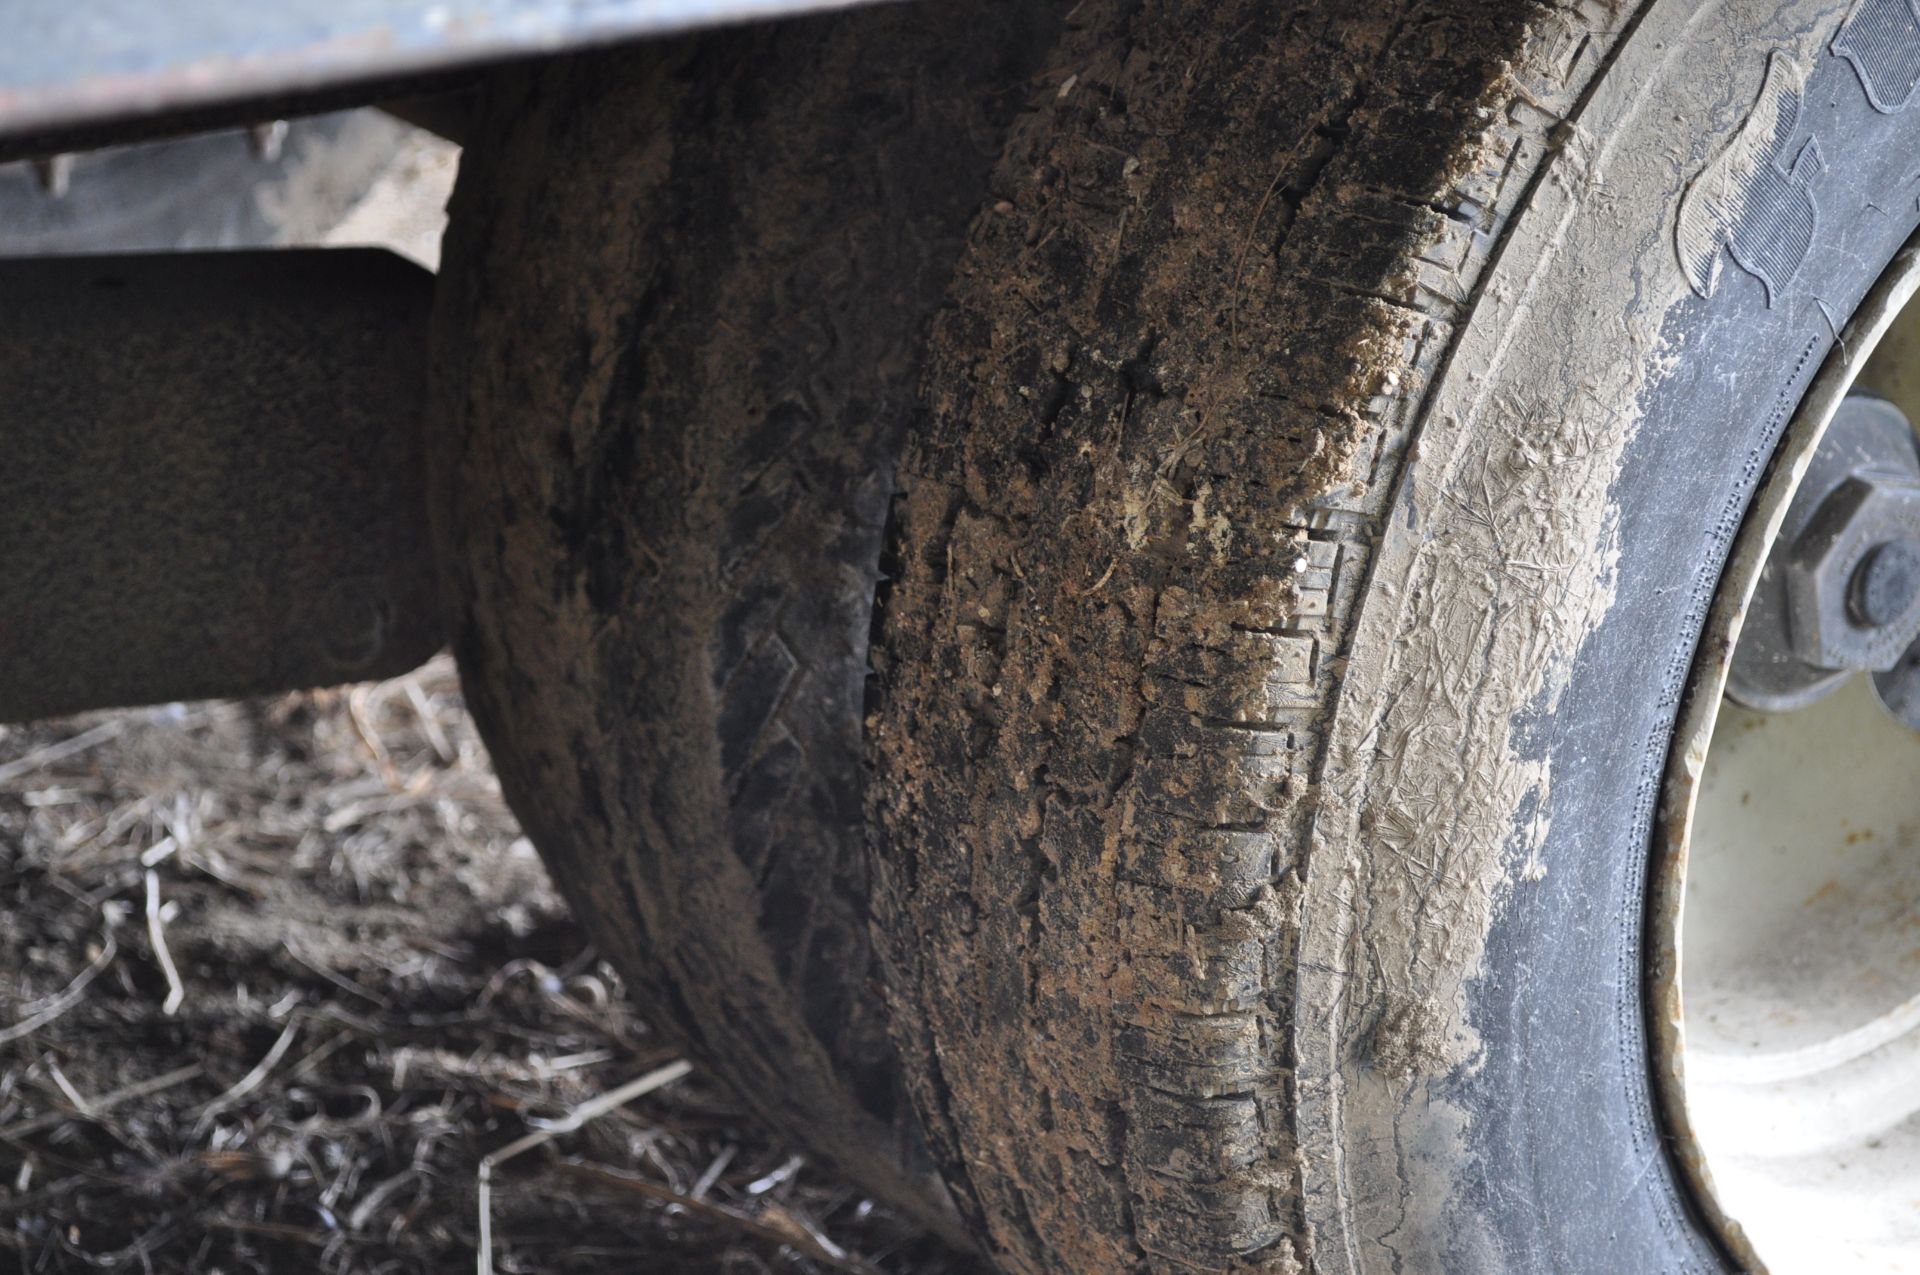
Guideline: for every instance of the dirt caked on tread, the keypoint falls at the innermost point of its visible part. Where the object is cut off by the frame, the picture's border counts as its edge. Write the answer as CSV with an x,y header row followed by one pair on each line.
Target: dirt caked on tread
x,y
1308,393
681,317
1178,369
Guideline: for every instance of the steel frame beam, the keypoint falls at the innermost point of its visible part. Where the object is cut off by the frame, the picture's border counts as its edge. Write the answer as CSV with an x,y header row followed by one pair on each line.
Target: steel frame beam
x,y
72,69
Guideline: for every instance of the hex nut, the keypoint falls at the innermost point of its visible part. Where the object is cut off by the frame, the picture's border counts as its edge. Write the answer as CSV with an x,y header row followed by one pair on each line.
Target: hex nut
x,y
1861,517
1885,584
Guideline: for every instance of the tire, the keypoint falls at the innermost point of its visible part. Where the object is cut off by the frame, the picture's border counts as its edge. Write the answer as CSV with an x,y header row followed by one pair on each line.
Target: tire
x,y
682,305
1327,454
200,192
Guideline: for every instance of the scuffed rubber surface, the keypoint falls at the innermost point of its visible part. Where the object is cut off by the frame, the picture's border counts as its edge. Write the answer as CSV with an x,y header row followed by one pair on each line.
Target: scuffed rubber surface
x,y
1326,440
683,306
1181,364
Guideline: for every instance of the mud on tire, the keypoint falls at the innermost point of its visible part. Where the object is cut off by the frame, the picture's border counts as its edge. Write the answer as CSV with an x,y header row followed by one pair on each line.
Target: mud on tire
x,y
1165,411
1325,457
682,310
1333,424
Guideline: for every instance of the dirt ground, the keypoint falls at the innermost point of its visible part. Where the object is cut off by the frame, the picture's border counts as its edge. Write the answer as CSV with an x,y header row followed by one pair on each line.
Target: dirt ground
x,y
276,976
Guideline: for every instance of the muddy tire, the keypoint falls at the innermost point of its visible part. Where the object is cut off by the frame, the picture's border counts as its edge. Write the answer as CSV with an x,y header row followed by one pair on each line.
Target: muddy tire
x,y
1330,436
1327,454
682,310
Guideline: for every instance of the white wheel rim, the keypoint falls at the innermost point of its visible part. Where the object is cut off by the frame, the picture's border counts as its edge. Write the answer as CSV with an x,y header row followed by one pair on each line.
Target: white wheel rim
x,y
1786,912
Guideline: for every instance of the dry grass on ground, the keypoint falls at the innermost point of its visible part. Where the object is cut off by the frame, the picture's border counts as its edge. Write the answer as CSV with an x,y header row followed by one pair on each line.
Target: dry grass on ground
x,y
275,976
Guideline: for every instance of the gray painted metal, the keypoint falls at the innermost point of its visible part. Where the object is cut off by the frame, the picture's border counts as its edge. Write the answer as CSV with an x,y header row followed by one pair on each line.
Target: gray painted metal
x,y
1861,491
213,482
66,63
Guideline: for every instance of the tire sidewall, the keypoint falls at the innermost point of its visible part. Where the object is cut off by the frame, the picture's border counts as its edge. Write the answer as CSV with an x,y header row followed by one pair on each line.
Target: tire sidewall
x,y
1534,1141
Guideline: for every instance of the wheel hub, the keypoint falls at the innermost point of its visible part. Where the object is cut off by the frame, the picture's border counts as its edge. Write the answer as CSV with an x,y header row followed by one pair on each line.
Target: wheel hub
x,y
1786,919
1840,592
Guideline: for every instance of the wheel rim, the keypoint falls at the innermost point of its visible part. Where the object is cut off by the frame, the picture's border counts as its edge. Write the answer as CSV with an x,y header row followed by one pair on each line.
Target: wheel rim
x,y
1785,954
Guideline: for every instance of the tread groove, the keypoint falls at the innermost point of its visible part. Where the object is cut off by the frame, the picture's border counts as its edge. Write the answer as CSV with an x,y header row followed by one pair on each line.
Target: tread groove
x,y
1289,365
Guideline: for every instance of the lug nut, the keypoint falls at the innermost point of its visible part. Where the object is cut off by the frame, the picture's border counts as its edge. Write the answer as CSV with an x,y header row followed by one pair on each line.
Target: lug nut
x,y
1841,590
1851,579
1884,585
